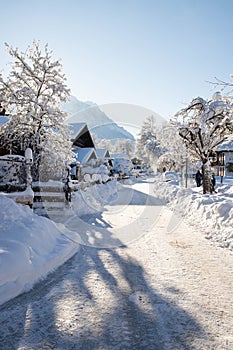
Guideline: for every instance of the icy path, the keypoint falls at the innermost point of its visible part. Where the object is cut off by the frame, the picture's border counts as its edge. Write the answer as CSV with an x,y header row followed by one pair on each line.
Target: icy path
x,y
151,290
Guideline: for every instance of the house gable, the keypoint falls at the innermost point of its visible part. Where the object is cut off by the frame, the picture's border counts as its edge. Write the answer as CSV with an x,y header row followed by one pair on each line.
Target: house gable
x,y
3,119
226,146
80,136
85,155
102,153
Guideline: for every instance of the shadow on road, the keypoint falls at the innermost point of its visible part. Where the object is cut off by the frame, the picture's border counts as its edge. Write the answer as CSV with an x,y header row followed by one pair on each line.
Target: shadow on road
x,y
66,311
136,214
99,299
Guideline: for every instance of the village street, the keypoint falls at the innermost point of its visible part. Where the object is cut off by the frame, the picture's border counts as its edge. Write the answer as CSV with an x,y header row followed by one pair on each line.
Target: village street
x,y
142,279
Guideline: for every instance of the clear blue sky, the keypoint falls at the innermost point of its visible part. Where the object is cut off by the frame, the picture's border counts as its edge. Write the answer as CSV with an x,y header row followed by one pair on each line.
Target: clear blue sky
x,y
156,54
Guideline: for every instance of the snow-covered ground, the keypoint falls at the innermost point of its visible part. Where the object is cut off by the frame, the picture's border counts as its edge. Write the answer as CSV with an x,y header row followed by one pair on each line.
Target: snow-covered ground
x,y
164,287
212,213
32,246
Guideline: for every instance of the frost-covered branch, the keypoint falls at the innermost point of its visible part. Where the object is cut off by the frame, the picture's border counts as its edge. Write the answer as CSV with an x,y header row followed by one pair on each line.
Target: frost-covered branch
x,y
33,92
203,125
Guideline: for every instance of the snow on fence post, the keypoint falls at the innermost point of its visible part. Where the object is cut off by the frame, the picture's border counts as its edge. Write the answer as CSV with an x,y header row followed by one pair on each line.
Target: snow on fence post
x,y
27,196
29,161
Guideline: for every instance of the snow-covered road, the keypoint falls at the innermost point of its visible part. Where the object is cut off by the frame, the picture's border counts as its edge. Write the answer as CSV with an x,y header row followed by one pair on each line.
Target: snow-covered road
x,y
142,279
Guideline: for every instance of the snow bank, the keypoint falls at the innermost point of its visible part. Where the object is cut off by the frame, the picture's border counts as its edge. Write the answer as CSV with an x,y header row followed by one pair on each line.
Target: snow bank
x,y
30,248
94,198
213,214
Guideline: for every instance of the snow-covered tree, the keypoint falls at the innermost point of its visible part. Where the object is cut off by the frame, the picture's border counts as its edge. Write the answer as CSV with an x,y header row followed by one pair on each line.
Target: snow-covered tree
x,y
147,145
122,165
115,146
31,95
102,143
124,146
173,150
226,86
203,125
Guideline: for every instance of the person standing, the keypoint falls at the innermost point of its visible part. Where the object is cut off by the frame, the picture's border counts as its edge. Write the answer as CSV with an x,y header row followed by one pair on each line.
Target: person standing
x,y
198,178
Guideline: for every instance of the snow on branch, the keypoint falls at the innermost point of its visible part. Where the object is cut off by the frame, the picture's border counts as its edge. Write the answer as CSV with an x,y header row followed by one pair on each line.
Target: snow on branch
x,y
203,125
32,95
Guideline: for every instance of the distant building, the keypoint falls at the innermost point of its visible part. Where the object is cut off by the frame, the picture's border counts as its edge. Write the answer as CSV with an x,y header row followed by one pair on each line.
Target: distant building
x,y
80,136
104,156
85,156
83,148
223,159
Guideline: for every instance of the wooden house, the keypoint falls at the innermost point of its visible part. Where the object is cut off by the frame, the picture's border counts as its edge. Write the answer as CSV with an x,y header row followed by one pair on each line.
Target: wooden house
x,y
86,156
104,156
223,159
83,147
80,136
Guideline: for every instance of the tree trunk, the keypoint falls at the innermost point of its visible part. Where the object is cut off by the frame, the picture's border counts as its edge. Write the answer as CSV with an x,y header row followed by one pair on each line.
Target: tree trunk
x,y
206,178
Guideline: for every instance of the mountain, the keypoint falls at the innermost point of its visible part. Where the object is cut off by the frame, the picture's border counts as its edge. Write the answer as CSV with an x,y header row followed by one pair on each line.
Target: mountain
x,y
97,121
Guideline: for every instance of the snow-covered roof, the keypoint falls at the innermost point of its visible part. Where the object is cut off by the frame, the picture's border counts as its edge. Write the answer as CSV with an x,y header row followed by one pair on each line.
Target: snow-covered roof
x,y
80,135
102,153
225,146
3,119
76,128
84,155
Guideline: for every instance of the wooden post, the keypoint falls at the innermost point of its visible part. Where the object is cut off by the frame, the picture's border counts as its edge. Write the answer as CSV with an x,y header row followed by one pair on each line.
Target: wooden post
x,y
29,161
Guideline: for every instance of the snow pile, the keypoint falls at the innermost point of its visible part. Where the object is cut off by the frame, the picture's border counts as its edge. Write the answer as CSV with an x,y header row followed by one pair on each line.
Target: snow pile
x,y
94,198
213,214
31,246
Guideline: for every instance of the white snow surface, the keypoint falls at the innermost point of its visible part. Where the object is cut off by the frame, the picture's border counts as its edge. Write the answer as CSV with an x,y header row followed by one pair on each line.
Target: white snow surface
x,y
32,246
212,213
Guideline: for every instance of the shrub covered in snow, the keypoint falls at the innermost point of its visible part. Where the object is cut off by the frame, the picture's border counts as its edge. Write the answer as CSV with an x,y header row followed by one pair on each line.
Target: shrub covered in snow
x,y
12,170
122,165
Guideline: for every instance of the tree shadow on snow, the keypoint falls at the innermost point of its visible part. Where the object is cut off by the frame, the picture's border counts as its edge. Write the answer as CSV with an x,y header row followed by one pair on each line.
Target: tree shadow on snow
x,y
99,299
136,214
86,305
